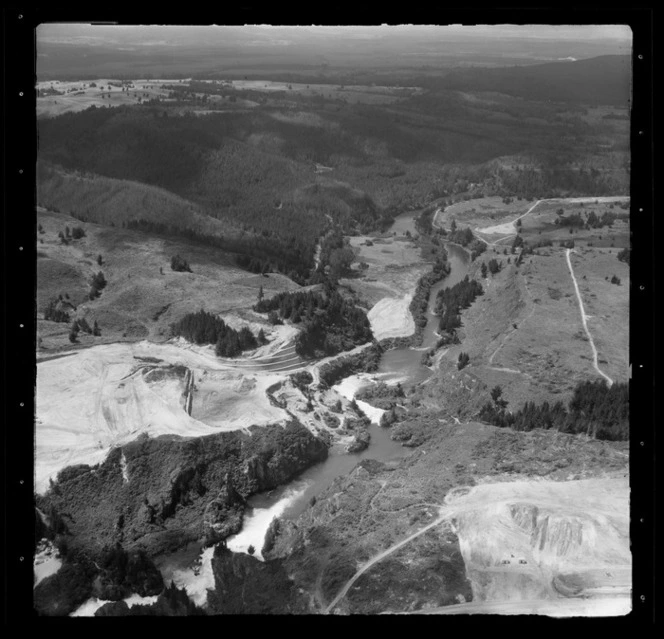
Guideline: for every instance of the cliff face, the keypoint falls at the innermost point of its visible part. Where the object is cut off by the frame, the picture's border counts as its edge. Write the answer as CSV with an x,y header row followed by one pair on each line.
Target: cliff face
x,y
159,493
245,585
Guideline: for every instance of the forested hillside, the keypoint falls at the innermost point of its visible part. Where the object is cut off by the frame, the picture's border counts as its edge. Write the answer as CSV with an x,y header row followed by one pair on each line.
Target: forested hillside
x,y
330,324
266,182
600,80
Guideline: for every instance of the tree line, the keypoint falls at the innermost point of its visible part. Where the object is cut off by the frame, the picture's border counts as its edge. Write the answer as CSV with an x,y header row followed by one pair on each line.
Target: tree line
x,y
330,323
596,409
256,254
420,302
592,220
450,302
205,328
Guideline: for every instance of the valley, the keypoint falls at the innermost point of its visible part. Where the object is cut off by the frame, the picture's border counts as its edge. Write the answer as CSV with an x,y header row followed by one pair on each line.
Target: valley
x,y
341,345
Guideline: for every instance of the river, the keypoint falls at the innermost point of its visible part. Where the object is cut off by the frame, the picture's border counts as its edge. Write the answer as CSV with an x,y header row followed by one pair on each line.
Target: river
x,y
289,501
402,364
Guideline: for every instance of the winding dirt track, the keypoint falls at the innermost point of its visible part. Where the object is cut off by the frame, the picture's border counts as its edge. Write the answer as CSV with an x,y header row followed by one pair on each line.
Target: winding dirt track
x,y
505,226
380,557
584,318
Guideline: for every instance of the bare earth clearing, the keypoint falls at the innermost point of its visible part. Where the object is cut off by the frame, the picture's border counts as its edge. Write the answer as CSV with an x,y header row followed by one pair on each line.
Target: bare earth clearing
x,y
529,546
98,398
106,396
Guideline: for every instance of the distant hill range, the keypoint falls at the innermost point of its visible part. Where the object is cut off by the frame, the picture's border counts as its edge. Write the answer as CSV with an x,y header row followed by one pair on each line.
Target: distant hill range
x,y
602,80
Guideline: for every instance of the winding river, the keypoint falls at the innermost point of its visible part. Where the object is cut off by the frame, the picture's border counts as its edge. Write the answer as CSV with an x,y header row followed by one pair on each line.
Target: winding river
x,y
289,501
402,364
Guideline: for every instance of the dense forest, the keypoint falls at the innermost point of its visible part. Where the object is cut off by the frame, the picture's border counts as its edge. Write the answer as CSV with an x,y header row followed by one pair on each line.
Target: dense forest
x,y
206,328
366,361
450,302
252,171
596,409
255,253
330,323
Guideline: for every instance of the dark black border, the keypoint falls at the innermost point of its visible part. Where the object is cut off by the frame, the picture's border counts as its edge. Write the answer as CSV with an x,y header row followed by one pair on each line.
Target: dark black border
x,y
19,281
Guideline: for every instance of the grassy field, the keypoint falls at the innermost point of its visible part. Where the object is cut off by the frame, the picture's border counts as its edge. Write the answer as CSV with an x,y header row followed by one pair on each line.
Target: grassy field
x,y
494,219
79,96
394,267
608,306
525,332
349,94
540,224
139,301
482,212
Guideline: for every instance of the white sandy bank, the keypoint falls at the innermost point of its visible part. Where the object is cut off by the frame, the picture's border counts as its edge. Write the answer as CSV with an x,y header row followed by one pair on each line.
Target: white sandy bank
x,y
391,317
349,387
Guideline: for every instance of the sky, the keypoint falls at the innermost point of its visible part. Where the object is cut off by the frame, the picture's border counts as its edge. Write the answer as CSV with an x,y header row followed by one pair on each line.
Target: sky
x,y
153,34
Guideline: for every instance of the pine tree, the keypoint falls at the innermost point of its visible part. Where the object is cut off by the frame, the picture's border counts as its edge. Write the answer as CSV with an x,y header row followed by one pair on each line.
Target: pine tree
x,y
96,331
484,269
99,260
260,293
464,358
496,394
73,333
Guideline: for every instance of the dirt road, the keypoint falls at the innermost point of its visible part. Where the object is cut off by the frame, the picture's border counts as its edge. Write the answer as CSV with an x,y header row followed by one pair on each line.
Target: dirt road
x,y
380,557
584,318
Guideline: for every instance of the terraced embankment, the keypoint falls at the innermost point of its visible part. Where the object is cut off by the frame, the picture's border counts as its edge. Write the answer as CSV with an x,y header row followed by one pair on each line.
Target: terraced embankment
x,y
284,360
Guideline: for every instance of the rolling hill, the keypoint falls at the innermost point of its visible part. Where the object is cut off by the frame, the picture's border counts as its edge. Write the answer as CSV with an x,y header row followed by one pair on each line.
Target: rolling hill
x,y
601,80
